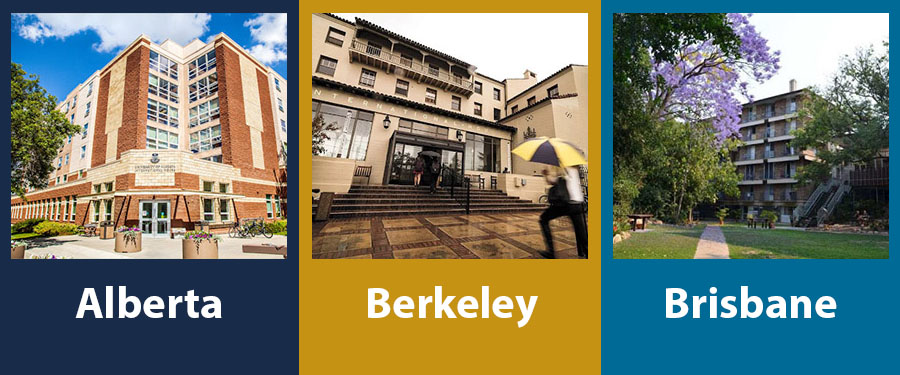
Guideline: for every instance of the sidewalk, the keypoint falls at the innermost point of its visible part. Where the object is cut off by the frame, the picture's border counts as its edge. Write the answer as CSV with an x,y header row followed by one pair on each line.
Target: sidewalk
x,y
712,244
78,247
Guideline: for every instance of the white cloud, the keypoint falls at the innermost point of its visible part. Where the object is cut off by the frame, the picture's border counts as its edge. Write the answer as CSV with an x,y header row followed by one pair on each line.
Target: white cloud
x,y
269,32
115,30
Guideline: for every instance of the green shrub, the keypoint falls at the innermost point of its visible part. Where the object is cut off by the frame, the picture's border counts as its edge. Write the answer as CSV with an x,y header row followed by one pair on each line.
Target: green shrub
x,y
771,216
50,228
26,226
277,226
722,213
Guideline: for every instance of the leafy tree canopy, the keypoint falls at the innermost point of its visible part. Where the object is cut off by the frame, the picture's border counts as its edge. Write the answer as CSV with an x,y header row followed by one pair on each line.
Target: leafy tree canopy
x,y
37,131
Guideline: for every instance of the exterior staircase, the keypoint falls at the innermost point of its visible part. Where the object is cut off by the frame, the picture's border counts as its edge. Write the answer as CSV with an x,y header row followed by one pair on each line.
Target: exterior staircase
x,y
396,200
821,203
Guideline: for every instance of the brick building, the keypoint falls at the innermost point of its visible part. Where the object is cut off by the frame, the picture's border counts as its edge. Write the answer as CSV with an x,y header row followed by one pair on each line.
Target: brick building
x,y
171,135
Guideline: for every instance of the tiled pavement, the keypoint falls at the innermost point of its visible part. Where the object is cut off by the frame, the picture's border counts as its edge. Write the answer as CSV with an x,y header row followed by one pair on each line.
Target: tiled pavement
x,y
494,236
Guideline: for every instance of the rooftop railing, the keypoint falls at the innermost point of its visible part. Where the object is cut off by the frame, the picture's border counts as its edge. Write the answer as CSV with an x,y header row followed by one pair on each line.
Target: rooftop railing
x,y
409,64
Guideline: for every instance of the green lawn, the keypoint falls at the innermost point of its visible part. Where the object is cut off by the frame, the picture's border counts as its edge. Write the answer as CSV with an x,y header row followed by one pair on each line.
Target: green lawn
x,y
746,243
22,236
661,242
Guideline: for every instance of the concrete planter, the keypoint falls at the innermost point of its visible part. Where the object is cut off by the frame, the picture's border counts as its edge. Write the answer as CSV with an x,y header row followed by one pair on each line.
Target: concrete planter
x,y
107,232
123,245
202,249
17,252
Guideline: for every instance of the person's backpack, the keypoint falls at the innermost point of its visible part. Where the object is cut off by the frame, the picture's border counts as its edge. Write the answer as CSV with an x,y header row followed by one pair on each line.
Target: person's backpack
x,y
559,193
435,167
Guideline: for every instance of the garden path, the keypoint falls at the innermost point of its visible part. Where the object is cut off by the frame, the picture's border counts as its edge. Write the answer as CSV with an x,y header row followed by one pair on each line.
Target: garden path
x,y
712,244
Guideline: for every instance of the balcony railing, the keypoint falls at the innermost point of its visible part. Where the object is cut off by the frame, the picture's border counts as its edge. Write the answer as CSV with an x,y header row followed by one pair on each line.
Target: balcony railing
x,y
869,176
767,114
790,195
416,67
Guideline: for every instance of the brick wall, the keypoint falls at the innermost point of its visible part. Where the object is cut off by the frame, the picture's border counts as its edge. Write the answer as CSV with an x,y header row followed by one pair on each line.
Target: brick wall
x,y
98,153
235,133
133,132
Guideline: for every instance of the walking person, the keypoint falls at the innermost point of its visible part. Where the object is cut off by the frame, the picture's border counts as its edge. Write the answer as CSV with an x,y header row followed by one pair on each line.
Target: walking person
x,y
566,199
435,174
418,169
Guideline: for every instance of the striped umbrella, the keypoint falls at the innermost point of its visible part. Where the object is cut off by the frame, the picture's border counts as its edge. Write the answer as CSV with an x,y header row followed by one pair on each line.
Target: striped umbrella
x,y
553,151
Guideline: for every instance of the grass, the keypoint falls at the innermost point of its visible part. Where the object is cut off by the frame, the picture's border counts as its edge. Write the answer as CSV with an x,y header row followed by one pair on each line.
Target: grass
x,y
22,236
661,242
746,243
284,233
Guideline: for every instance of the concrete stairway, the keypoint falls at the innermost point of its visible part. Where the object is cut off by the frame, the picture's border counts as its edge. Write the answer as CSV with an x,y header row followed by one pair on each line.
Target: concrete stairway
x,y
393,200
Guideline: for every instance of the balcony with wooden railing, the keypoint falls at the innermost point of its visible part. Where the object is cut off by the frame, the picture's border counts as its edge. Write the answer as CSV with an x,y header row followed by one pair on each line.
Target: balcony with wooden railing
x,y
416,70
869,176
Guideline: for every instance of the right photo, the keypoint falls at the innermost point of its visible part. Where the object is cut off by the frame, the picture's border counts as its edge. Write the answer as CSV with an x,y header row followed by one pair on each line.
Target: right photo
x,y
750,136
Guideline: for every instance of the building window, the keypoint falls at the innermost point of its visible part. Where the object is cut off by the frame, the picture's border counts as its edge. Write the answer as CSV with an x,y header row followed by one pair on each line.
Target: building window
x,y
208,214
223,210
83,151
326,66
90,88
206,139
202,64
208,186
67,159
108,211
367,78
204,112
283,126
84,131
402,88
277,206
269,213
280,105
434,70
277,84
496,94
532,100
223,187
455,103
515,109
162,113
97,188
59,162
335,37
478,87
163,65
108,186
74,208
158,139
163,89
65,178
553,91
477,109
87,109
431,96
214,158
482,153
350,139
497,114
204,87
433,131
96,210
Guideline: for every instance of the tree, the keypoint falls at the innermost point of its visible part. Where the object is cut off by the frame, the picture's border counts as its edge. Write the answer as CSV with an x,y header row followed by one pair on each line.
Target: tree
x,y
37,131
320,131
676,80
848,121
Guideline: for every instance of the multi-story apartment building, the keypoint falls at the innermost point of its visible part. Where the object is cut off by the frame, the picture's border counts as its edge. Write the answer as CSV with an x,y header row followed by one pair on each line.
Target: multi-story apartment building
x,y
766,160
170,135
391,98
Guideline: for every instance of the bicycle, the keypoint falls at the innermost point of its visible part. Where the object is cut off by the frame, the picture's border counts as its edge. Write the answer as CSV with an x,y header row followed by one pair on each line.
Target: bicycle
x,y
251,228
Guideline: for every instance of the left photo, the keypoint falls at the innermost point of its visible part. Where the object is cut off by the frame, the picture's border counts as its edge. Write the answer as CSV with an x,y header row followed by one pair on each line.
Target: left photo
x,y
149,136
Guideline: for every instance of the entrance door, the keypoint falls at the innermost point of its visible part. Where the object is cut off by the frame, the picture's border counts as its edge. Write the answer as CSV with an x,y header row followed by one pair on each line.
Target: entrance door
x,y
452,171
155,218
402,163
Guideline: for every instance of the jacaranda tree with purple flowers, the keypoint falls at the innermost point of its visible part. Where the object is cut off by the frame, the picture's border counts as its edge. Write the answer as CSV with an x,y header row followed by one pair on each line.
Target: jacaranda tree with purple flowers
x,y
679,76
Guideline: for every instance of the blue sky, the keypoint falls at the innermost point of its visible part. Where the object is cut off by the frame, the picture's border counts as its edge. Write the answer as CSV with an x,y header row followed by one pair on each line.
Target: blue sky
x,y
64,49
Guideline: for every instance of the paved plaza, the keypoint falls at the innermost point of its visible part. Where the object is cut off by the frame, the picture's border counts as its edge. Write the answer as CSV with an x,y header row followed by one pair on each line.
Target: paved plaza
x,y
78,247
489,236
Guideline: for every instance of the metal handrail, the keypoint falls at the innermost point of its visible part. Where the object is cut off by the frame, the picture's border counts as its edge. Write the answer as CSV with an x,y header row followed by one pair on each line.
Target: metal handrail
x,y
410,64
455,196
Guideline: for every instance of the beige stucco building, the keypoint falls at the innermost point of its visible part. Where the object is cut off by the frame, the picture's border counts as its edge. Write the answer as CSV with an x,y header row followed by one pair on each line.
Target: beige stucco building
x,y
390,97
170,135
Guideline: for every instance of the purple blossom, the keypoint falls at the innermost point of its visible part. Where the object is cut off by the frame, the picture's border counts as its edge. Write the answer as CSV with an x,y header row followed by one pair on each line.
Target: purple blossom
x,y
704,83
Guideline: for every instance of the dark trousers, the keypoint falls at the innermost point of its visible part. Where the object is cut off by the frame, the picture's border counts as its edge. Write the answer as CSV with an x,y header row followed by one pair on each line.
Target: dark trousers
x,y
576,214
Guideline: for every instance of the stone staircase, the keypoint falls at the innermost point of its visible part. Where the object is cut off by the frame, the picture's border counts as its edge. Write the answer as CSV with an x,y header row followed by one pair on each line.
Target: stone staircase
x,y
395,200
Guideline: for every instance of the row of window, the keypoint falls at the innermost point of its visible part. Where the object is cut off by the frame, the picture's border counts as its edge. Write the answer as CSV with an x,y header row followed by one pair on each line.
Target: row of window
x,y
162,88
57,209
220,205
353,128
162,113
163,65
158,139
273,206
204,112
202,64
203,88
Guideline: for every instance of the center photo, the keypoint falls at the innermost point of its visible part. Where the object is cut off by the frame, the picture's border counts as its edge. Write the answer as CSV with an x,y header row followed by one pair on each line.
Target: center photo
x,y
436,142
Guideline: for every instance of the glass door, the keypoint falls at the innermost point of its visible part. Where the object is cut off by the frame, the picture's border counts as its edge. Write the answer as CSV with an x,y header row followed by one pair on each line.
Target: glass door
x,y
452,171
402,163
155,218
